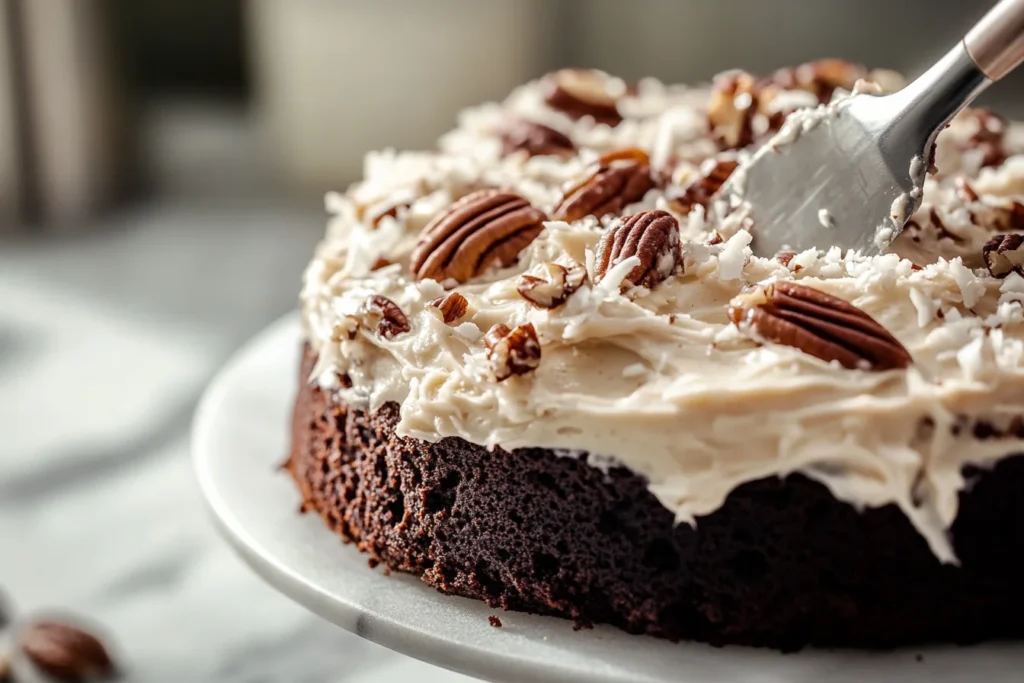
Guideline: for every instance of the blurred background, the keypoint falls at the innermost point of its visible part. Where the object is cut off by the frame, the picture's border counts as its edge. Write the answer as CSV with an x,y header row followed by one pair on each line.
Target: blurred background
x,y
162,164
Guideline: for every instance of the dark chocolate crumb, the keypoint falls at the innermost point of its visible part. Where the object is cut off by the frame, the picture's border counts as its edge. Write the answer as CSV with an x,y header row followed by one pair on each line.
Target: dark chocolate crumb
x,y
782,563
495,621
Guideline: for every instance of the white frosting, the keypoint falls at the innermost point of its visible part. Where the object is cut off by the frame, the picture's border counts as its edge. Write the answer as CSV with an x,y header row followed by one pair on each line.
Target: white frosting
x,y
660,381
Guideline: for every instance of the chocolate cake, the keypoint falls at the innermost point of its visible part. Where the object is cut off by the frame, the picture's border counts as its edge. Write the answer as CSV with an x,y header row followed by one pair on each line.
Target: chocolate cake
x,y
544,369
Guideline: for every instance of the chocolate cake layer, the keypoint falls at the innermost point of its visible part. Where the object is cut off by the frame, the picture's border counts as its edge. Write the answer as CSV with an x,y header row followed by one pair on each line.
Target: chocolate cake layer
x,y
782,563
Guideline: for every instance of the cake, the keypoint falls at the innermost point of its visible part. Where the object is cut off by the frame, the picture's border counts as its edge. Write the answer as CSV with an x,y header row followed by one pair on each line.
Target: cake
x,y
543,369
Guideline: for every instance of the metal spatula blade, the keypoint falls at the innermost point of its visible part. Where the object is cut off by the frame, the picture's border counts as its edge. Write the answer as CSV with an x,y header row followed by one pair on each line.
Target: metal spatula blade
x,y
850,175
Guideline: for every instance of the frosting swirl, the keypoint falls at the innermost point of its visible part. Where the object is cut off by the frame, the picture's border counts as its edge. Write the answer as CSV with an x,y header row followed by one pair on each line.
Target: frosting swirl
x,y
660,380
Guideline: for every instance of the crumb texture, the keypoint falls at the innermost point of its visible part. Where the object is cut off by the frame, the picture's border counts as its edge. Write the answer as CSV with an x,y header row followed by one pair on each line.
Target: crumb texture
x,y
781,564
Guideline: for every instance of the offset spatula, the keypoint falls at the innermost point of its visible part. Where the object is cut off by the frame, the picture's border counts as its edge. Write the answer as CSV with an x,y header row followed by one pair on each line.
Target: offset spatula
x,y
852,176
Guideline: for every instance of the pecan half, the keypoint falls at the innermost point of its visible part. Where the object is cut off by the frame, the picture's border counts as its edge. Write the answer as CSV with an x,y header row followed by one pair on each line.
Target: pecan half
x,y
512,352
555,285
821,325
652,236
390,320
1004,254
486,228
621,179
65,652
581,92
535,139
703,189
452,306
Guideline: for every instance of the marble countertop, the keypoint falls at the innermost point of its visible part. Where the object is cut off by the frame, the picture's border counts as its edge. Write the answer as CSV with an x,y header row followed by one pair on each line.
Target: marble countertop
x,y
107,340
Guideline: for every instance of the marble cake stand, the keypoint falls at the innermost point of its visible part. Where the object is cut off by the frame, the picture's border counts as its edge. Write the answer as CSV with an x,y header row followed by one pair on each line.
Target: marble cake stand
x,y
239,439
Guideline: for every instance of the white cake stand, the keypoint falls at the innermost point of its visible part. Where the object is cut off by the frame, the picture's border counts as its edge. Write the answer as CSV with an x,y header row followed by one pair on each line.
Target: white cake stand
x,y
240,438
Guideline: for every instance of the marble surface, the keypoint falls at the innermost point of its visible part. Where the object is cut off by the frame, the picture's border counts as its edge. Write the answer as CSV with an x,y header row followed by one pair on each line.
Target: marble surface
x,y
107,340
237,442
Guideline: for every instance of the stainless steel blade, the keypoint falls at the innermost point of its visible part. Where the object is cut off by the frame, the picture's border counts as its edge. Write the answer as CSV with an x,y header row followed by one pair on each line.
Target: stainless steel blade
x,y
850,175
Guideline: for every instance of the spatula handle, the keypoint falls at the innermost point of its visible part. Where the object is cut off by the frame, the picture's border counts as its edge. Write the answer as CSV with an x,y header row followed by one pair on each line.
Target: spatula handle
x,y
996,43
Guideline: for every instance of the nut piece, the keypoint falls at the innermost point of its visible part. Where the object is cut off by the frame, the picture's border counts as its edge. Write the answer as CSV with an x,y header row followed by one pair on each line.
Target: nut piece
x,y
391,321
621,178
554,286
391,211
821,325
485,228
65,652
452,306
731,111
512,352
964,191
784,257
581,92
822,77
536,139
703,189
1004,254
990,136
653,236
381,262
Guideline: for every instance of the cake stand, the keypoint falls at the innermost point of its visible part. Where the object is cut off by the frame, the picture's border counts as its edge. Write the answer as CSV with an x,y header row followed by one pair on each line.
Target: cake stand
x,y
241,437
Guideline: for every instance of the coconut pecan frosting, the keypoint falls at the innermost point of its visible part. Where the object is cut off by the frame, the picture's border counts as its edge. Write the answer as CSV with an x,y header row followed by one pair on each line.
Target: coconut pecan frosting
x,y
563,273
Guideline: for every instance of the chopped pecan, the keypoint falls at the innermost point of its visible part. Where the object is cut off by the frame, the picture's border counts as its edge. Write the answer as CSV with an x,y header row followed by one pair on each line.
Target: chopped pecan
x,y
486,228
65,652
535,139
652,236
452,306
391,211
990,136
1004,254
512,352
701,190
579,93
820,325
784,257
940,227
998,217
822,77
965,192
381,262
731,111
555,285
390,320
621,178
